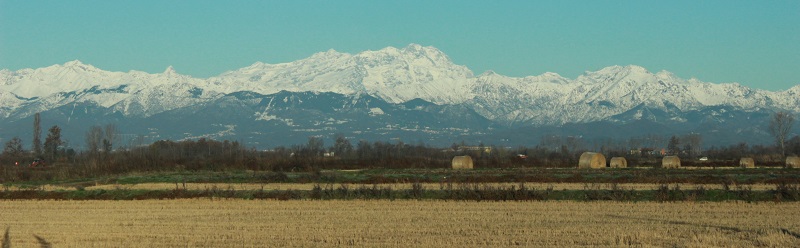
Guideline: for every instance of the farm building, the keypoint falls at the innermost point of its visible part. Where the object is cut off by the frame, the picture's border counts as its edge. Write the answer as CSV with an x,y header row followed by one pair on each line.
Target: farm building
x,y
671,162
793,162
592,160
747,163
618,162
462,162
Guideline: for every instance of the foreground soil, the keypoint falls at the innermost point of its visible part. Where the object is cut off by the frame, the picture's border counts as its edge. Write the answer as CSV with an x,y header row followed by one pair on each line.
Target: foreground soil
x,y
401,223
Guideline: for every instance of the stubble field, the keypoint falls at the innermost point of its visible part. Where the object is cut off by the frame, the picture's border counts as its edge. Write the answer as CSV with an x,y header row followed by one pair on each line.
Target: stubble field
x,y
402,223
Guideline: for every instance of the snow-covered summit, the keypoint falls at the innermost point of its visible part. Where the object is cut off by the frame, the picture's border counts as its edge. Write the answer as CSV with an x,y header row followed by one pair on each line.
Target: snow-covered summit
x,y
170,71
395,75
70,76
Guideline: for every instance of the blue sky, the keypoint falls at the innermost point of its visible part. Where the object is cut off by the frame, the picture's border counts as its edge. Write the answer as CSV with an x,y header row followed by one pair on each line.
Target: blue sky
x,y
755,43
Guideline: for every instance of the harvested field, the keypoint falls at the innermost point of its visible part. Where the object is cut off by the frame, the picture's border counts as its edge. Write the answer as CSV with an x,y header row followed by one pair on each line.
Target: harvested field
x,y
248,223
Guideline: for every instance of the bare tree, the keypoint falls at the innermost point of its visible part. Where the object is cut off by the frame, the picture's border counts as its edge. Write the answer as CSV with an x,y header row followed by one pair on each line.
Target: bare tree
x,y
635,143
342,146
575,143
52,142
779,126
551,142
673,147
13,148
37,135
110,136
94,138
692,143
316,145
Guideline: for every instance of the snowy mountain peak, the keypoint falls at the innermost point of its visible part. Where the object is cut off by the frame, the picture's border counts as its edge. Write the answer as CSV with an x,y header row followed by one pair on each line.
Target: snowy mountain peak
x,y
170,71
258,65
551,74
548,77
394,75
618,70
419,49
73,63
411,52
427,51
636,68
628,75
794,90
414,46
78,66
666,75
330,54
488,73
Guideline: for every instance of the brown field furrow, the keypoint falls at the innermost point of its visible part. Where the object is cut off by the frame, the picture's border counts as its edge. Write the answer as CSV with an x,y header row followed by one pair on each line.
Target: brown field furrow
x,y
380,223
396,186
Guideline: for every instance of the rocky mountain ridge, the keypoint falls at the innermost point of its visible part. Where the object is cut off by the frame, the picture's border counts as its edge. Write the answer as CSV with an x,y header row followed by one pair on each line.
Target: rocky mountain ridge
x,y
392,76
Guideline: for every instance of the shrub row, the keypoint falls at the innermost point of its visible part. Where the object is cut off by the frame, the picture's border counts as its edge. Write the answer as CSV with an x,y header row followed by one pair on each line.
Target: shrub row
x,y
446,191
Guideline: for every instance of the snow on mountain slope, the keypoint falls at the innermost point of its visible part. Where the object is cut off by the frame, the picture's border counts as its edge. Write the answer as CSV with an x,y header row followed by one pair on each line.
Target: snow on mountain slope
x,y
58,85
394,75
789,98
149,101
518,100
8,102
400,75
70,76
329,72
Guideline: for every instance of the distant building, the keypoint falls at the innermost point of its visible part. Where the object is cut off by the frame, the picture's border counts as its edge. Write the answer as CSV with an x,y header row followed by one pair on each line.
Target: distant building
x,y
647,151
484,149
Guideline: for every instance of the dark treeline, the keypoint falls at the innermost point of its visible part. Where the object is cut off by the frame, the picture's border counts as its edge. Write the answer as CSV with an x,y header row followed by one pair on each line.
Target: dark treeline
x,y
103,156
763,154
211,155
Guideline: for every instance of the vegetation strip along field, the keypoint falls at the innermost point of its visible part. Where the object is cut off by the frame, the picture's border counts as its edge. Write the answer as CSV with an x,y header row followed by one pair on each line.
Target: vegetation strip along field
x,y
52,176
396,186
445,191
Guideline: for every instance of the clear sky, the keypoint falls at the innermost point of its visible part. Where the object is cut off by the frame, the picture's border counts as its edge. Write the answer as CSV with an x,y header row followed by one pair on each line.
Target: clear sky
x,y
755,43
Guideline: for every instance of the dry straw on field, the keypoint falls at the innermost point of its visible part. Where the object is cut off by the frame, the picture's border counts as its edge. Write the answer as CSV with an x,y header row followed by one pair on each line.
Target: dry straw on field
x,y
671,162
462,162
747,163
399,223
793,162
619,162
592,160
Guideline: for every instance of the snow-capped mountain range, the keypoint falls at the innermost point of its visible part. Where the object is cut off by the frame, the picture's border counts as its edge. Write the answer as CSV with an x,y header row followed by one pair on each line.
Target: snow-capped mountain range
x,y
617,94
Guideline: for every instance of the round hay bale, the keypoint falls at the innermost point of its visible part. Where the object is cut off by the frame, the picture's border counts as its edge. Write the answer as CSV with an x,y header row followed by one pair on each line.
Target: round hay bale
x,y
793,162
462,162
619,162
671,162
592,160
747,163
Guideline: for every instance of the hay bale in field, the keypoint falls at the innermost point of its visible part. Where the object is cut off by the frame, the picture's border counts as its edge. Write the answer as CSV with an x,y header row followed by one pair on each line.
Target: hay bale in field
x,y
618,162
793,162
592,160
747,163
462,162
671,162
